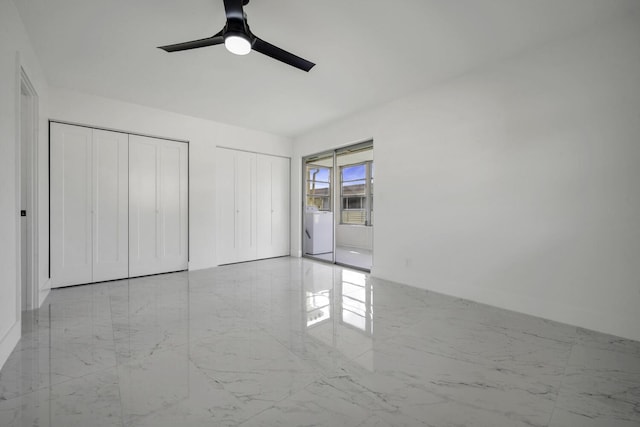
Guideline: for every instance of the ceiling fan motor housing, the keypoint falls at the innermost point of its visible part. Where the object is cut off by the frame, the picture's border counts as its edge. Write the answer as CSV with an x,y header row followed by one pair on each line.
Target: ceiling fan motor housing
x,y
236,27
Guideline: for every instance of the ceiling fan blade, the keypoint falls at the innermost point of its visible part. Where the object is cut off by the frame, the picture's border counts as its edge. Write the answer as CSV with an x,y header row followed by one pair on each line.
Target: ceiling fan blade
x,y
209,41
233,9
282,55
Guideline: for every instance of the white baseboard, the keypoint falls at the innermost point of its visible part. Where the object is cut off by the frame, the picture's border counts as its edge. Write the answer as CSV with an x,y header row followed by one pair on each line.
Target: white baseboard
x,y
8,342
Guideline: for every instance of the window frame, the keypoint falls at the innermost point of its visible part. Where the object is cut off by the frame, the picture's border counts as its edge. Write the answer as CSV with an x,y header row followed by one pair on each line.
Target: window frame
x,y
367,196
308,180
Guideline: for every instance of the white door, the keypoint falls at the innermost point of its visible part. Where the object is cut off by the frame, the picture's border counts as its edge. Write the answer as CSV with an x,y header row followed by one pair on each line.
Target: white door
x,y
272,206
245,199
143,205
70,204
236,199
226,202
173,203
158,206
281,208
264,208
25,172
110,205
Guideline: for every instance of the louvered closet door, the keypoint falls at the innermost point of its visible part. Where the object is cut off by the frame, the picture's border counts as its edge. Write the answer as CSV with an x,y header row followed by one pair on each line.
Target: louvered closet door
x,y
110,205
71,205
158,206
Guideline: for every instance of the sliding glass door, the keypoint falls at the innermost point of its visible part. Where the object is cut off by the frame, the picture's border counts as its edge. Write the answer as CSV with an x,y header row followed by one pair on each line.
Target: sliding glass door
x,y
338,206
354,226
318,217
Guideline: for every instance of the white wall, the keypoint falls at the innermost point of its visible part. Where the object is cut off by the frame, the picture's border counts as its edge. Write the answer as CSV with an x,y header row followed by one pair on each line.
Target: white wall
x,y
16,52
516,185
203,137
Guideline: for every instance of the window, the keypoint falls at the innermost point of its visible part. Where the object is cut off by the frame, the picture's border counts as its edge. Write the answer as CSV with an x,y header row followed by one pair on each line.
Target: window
x,y
356,192
319,187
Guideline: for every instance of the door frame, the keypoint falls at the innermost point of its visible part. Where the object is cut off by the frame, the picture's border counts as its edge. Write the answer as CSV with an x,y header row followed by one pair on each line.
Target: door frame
x,y
31,120
305,159
336,203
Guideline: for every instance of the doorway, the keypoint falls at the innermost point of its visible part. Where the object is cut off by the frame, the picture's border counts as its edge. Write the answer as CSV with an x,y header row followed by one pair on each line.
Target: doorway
x,y
338,206
28,173
318,216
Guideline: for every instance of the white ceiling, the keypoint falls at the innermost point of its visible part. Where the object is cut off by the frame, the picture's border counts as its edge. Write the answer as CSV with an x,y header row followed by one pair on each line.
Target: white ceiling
x,y
367,51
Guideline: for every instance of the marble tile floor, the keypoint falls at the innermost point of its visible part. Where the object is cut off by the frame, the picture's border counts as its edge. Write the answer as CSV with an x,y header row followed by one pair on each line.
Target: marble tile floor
x,y
294,342
348,256
356,257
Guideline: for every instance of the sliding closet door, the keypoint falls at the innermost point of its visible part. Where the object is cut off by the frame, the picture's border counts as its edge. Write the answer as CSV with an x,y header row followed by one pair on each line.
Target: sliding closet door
x,y
110,205
272,207
158,211
71,205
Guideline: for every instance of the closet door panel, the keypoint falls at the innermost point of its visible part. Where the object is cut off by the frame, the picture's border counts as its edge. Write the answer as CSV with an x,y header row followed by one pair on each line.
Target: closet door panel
x,y
226,206
70,204
158,206
245,235
264,197
173,187
272,206
110,205
280,206
143,206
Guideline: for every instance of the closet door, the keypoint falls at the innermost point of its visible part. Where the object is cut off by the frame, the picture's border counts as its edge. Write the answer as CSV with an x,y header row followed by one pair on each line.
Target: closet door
x,y
245,196
281,207
158,206
272,207
236,199
110,205
173,202
70,204
226,202
143,205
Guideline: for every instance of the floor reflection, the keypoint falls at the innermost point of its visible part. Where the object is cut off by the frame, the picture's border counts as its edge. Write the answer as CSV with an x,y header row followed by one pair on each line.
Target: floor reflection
x,y
338,308
291,342
356,301
348,256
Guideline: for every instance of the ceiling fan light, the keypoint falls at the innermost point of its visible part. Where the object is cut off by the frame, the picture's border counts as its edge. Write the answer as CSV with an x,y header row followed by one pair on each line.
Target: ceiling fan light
x,y
237,44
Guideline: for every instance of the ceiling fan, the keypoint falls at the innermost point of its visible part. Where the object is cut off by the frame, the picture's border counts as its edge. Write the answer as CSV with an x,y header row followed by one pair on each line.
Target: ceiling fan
x,y
238,39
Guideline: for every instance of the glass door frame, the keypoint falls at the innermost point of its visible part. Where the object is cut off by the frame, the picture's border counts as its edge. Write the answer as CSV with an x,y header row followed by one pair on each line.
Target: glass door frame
x,y
306,159
334,195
